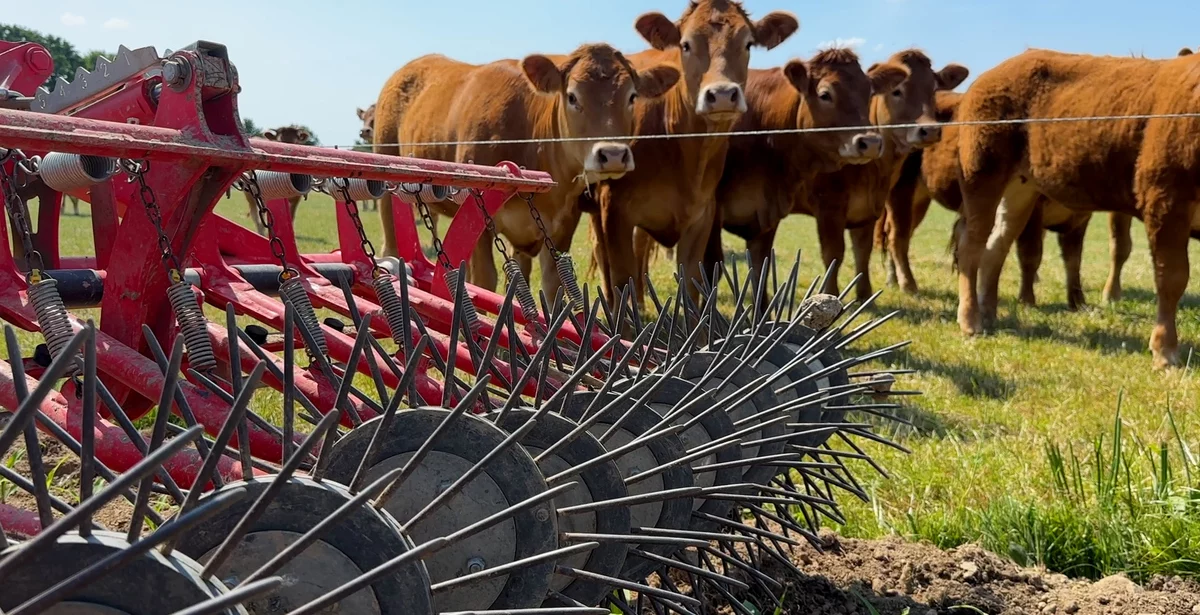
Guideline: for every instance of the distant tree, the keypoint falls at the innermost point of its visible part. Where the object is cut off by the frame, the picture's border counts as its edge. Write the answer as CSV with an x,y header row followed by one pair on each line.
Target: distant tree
x,y
66,58
89,60
361,146
250,128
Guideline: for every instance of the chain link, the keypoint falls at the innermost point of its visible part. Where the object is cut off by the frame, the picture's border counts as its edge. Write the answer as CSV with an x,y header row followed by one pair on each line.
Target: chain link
x,y
364,241
18,210
537,219
423,209
137,169
267,219
491,225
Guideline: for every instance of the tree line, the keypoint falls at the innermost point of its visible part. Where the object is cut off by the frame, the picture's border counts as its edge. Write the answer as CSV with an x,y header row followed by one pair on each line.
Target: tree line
x,y
68,59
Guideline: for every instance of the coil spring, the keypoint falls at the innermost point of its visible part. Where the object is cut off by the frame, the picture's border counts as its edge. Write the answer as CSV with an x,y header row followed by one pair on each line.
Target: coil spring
x,y
52,318
193,325
470,316
292,291
566,275
512,270
385,291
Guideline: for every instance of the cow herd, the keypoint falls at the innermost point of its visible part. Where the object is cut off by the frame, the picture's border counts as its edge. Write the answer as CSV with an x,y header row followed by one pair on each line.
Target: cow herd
x,y
719,146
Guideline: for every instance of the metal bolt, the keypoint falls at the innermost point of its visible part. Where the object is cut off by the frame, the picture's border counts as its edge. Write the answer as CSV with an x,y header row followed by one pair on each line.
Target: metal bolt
x,y
443,486
476,564
542,514
174,72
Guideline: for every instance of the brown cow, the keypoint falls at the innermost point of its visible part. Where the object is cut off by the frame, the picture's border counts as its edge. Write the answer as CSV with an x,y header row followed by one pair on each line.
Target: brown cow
x,y
591,93
1146,168
763,175
367,135
854,197
292,134
675,200
932,174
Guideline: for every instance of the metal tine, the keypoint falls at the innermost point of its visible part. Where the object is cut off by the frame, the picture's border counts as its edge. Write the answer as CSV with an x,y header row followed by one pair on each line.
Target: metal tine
x,y
159,433
341,402
576,605
235,385
437,359
63,589
679,541
581,371
31,401
26,485
33,449
624,584
733,602
147,465
832,481
849,285
548,308
865,329
233,598
185,409
215,388
483,575
413,462
746,461
629,500
285,375
870,435
383,425
493,345
828,275
456,321
696,538
816,502
87,432
715,577
641,401
218,557
426,549
289,378
709,448
208,469
743,527
580,610
653,337
542,355
840,365
789,288
784,521
807,401
763,581
858,449
376,373
323,363
859,491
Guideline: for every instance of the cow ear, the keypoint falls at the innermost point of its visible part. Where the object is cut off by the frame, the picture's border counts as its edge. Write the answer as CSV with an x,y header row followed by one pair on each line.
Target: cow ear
x,y
657,81
361,113
885,77
774,28
660,32
1185,52
543,74
270,134
797,74
303,136
951,76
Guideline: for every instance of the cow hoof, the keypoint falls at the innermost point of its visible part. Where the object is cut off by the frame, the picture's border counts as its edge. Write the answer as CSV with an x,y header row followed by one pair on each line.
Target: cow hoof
x,y
1165,360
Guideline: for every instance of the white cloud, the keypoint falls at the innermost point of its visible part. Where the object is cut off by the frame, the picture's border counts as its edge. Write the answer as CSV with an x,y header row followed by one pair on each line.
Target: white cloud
x,y
116,23
71,19
878,47
853,42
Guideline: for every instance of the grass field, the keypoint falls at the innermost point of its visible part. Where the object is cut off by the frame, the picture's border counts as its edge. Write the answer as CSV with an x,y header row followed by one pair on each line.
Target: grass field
x,y
1013,441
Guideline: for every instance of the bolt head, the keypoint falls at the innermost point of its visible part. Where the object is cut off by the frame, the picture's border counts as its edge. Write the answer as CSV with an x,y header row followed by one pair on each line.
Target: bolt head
x,y
174,72
38,59
443,486
476,564
542,514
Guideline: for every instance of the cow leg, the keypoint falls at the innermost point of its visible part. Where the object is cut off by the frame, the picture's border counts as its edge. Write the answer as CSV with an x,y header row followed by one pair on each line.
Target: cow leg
x,y
1029,254
1070,242
643,248
258,226
1168,229
387,248
689,254
482,264
831,232
562,234
760,250
1120,244
295,203
882,230
981,198
861,239
1011,218
899,213
618,245
600,251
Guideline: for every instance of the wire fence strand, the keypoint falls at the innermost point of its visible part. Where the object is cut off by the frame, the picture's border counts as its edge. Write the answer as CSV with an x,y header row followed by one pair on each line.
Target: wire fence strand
x,y
795,131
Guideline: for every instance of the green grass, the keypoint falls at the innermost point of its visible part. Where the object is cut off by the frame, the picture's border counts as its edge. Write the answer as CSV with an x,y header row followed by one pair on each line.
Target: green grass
x,y
1017,442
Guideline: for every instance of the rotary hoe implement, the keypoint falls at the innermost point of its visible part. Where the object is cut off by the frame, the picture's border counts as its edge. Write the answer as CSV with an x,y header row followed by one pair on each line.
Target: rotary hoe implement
x,y
357,434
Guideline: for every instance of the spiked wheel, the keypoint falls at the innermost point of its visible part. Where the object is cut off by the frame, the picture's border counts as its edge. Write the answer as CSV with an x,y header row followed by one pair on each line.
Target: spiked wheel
x,y
435,463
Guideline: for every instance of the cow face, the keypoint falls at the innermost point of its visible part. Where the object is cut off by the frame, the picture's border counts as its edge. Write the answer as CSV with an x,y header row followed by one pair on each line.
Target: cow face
x,y
367,132
912,101
1185,52
834,91
287,134
596,88
714,38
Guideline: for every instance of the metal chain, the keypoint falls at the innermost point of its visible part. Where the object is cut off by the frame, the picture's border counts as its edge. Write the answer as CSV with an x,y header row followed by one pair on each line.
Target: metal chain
x,y
364,241
537,219
18,210
491,225
267,219
423,209
137,169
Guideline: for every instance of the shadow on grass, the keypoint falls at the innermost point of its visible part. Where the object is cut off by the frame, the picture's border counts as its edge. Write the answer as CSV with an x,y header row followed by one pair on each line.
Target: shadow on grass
x,y
1146,295
970,380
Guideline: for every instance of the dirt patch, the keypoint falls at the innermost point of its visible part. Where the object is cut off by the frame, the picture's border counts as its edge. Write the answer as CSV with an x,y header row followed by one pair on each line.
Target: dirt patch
x,y
895,576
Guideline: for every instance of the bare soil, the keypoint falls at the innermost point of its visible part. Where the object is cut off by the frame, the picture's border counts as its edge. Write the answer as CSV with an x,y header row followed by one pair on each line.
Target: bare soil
x,y
896,577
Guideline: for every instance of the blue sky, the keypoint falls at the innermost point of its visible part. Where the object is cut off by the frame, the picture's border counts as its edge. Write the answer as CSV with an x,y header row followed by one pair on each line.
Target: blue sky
x,y
313,62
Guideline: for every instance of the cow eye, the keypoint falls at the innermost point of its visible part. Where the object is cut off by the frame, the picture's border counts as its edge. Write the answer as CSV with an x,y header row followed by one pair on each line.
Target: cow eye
x,y
632,97
687,47
897,93
825,96
573,99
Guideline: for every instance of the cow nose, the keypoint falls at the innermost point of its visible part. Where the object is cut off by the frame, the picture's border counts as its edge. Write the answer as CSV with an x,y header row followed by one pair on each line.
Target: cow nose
x,y
929,134
868,145
612,158
722,98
